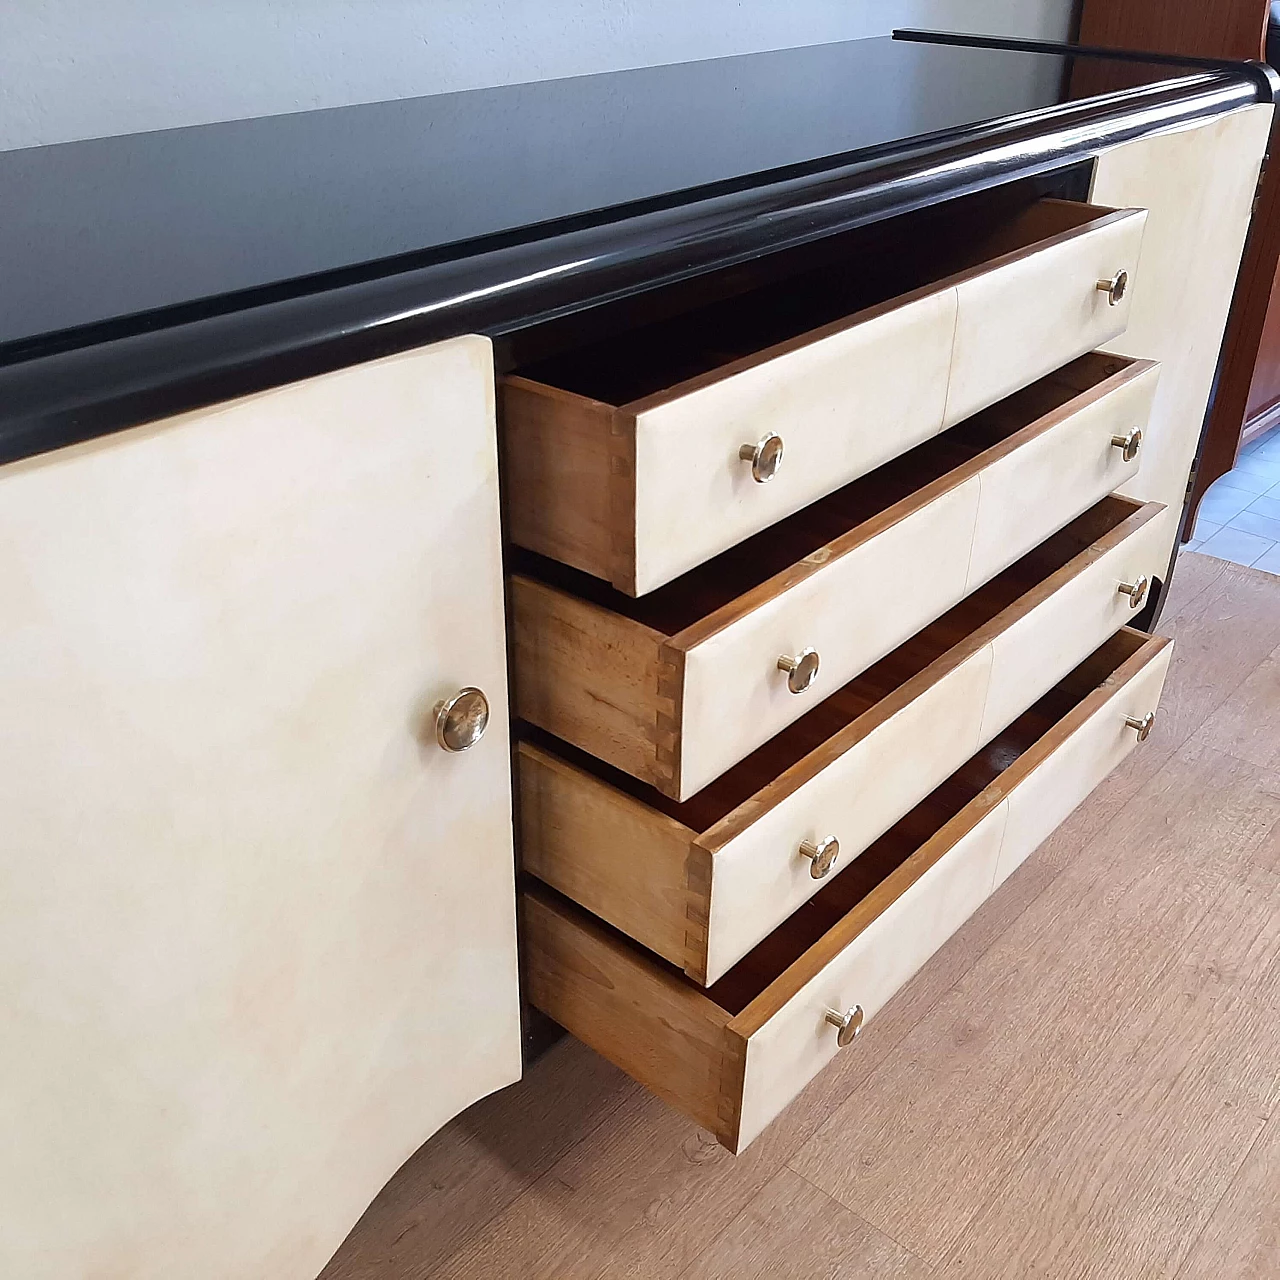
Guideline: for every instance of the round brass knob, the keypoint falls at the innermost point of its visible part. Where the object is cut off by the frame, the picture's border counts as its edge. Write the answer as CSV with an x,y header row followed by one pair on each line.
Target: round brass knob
x,y
1129,443
765,457
1115,288
1142,724
462,719
1136,590
822,856
849,1024
801,670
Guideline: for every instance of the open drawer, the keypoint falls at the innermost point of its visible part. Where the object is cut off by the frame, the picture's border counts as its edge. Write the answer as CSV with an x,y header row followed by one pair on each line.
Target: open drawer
x,y
642,456
676,687
733,1056
702,882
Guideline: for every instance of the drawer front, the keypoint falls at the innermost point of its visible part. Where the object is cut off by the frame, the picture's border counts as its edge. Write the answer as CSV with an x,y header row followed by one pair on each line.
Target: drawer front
x,y
842,405
1048,481
796,1042
760,877
785,1039
1034,653
1044,799
735,697
734,1072
1040,310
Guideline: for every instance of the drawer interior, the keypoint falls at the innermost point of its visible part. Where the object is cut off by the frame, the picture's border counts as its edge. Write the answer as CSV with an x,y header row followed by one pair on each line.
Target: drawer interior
x,y
692,596
735,787
883,263
786,944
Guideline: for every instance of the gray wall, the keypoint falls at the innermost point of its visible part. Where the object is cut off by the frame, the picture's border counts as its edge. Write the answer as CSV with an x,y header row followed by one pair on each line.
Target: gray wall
x,y
91,68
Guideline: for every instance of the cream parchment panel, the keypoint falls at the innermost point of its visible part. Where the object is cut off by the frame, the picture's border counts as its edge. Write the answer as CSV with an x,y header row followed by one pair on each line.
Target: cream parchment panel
x,y
257,929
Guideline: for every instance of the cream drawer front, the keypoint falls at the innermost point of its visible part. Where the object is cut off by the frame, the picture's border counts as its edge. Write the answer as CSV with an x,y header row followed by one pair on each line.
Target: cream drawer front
x,y
788,1040
1079,763
703,882
842,406
676,688
794,1043
1045,643
1041,310
735,1055
759,878
637,490
735,697
1050,480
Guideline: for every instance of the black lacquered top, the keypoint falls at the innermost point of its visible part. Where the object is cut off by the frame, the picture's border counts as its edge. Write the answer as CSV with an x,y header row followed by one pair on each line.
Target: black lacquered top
x,y
148,273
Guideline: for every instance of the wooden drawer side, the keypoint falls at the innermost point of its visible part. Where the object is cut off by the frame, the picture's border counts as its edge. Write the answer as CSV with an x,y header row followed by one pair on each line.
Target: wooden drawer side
x,y
617,856
654,1026
597,679
569,463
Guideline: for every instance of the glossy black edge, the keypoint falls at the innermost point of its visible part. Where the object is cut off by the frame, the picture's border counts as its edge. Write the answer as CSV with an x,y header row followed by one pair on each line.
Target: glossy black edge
x,y
91,391
1267,80
55,342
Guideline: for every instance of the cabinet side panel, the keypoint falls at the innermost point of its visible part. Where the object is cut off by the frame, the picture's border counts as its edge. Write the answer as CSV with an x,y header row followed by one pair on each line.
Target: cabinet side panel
x,y
1197,184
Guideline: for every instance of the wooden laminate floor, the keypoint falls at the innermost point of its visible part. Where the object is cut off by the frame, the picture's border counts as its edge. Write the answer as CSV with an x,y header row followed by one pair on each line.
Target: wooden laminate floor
x,y
1085,1082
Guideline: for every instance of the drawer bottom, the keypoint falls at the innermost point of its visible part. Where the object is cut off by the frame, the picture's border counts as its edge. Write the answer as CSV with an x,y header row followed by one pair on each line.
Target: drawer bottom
x,y
733,1055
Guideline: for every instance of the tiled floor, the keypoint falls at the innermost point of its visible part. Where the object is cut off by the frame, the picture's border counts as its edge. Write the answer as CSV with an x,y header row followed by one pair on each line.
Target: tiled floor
x,y
1239,519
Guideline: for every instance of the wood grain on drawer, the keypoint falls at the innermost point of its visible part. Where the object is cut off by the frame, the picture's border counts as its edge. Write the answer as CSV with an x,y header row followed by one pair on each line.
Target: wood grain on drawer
x,y
676,688
637,491
702,882
735,1055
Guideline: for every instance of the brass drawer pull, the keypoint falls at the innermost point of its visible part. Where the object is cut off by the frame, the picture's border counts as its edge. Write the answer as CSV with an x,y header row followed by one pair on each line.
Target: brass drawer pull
x,y
801,670
822,856
1115,288
849,1024
1129,443
765,457
462,719
1142,724
1136,590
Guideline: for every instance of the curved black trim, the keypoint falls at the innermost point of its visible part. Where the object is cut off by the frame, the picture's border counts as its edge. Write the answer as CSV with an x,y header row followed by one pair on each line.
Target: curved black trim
x,y
88,391
1266,79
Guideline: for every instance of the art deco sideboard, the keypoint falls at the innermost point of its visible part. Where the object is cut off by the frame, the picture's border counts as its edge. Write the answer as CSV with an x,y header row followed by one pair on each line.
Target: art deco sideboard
x,y
804,438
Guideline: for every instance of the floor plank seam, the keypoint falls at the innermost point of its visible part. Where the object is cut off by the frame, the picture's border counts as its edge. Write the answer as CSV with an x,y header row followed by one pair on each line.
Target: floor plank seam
x,y
1085,1069
1227,1189
888,1235
1164,620
442,1263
